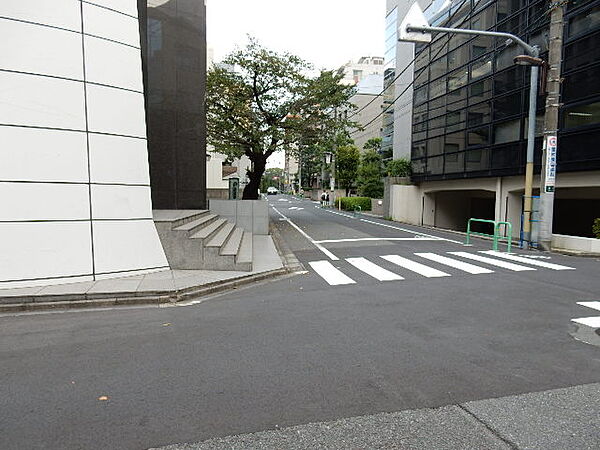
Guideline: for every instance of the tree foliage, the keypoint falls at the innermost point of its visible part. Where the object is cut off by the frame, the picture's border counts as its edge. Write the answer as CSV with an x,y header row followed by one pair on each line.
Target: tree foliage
x,y
401,167
273,176
373,144
267,103
347,162
370,183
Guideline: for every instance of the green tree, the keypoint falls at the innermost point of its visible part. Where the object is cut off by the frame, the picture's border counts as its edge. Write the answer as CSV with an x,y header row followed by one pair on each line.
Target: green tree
x,y
347,162
401,167
373,144
370,183
269,103
272,177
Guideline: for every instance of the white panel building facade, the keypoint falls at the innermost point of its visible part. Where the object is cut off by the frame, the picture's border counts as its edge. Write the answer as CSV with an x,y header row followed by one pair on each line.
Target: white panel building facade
x,y
74,182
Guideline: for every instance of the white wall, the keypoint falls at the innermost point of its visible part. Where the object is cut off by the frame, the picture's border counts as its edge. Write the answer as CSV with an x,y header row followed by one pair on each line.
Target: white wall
x,y
74,182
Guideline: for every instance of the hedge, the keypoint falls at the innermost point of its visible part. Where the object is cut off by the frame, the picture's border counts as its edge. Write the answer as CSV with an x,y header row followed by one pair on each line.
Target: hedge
x,y
596,228
348,203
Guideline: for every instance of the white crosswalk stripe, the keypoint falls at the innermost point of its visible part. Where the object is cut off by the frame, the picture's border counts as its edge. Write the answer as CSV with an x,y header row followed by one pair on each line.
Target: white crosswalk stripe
x,y
374,270
414,266
593,322
465,267
531,262
493,262
329,273
593,305
335,276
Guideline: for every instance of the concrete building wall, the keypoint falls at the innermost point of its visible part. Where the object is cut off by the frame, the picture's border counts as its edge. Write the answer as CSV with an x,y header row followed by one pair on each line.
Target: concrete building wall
x,y
368,107
74,179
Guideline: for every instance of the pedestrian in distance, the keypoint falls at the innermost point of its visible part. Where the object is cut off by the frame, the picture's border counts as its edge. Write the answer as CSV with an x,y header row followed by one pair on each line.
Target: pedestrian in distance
x,y
323,197
326,198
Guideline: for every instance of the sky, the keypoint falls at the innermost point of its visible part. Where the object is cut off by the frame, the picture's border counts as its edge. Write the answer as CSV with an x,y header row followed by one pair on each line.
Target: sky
x,y
326,33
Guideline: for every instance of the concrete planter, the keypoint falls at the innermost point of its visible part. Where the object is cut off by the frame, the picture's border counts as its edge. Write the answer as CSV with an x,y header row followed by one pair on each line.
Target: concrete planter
x,y
251,215
576,243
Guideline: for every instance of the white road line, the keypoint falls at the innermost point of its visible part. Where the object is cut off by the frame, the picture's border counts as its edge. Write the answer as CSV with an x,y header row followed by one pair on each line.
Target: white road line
x,y
328,241
593,305
466,267
411,231
593,322
531,262
493,262
329,273
299,230
374,270
414,266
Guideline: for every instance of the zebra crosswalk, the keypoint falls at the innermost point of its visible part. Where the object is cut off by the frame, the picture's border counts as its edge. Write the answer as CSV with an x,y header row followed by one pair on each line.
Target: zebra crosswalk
x,y
426,265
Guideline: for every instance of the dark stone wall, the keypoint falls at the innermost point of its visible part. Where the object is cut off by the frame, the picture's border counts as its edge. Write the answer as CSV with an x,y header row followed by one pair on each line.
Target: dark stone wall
x,y
174,61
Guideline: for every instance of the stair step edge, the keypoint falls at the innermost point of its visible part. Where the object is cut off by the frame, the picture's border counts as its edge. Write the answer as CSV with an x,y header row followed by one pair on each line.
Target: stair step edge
x,y
189,226
207,231
232,246
221,236
245,251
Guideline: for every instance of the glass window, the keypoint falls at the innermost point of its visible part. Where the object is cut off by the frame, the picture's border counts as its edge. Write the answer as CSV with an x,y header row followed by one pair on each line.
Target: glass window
x,y
505,57
420,135
457,79
508,80
507,131
507,8
582,52
418,166
483,20
458,57
454,142
435,166
455,120
507,106
437,87
454,163
577,3
477,160
478,136
438,68
421,78
481,90
506,157
422,60
482,67
457,40
478,114
585,21
539,126
582,84
435,146
419,149
457,95
582,115
437,107
513,25
439,46
481,45
421,95
540,39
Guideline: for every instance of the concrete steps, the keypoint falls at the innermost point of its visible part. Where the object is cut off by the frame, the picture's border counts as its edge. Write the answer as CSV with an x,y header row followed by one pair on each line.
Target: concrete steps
x,y
197,239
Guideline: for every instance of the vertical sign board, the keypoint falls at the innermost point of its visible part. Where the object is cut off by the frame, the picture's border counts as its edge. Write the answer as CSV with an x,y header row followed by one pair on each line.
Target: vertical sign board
x,y
550,180
234,186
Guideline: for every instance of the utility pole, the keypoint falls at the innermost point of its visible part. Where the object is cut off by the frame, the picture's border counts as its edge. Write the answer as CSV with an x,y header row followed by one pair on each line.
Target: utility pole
x,y
550,147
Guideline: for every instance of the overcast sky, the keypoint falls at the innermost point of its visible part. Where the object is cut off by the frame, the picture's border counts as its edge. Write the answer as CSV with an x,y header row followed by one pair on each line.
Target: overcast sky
x,y
327,33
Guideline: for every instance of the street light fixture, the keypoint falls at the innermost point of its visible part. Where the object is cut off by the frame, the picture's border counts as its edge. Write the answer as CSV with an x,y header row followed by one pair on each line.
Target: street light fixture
x,y
415,28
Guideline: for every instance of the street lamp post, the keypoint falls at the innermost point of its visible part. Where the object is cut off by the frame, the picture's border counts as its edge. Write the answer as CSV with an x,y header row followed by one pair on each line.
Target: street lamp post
x,y
415,28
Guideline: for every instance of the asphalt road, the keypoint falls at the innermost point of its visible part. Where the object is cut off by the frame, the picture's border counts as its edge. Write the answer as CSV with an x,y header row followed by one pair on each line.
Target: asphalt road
x,y
300,349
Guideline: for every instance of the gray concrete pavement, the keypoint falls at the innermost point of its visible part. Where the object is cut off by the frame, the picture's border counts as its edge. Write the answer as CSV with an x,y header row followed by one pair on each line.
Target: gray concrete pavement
x,y
298,351
557,419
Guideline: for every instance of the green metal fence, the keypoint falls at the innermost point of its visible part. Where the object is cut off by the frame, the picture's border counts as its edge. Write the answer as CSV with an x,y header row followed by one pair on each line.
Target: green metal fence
x,y
496,236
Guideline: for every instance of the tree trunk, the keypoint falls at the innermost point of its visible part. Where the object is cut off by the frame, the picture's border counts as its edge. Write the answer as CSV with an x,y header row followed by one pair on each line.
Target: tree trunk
x,y
259,163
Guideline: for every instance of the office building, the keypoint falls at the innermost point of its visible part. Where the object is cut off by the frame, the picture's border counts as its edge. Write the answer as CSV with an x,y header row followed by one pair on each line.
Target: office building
x,y
469,116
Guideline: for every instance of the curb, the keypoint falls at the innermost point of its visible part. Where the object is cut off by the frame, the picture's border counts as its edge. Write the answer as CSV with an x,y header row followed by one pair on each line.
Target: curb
x,y
158,298
291,263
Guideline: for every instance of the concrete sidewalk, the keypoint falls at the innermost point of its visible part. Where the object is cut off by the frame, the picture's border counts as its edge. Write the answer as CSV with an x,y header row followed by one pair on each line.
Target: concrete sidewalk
x,y
557,419
162,287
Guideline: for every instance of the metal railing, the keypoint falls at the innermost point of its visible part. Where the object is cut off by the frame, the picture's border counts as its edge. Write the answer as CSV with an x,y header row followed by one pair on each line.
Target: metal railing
x,y
496,236
357,210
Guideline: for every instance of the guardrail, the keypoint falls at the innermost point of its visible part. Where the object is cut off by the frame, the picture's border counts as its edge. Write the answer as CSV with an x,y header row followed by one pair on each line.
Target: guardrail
x,y
496,236
357,210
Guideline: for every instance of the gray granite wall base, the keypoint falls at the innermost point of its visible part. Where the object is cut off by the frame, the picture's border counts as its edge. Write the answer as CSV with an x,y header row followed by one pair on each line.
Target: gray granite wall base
x,y
251,215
